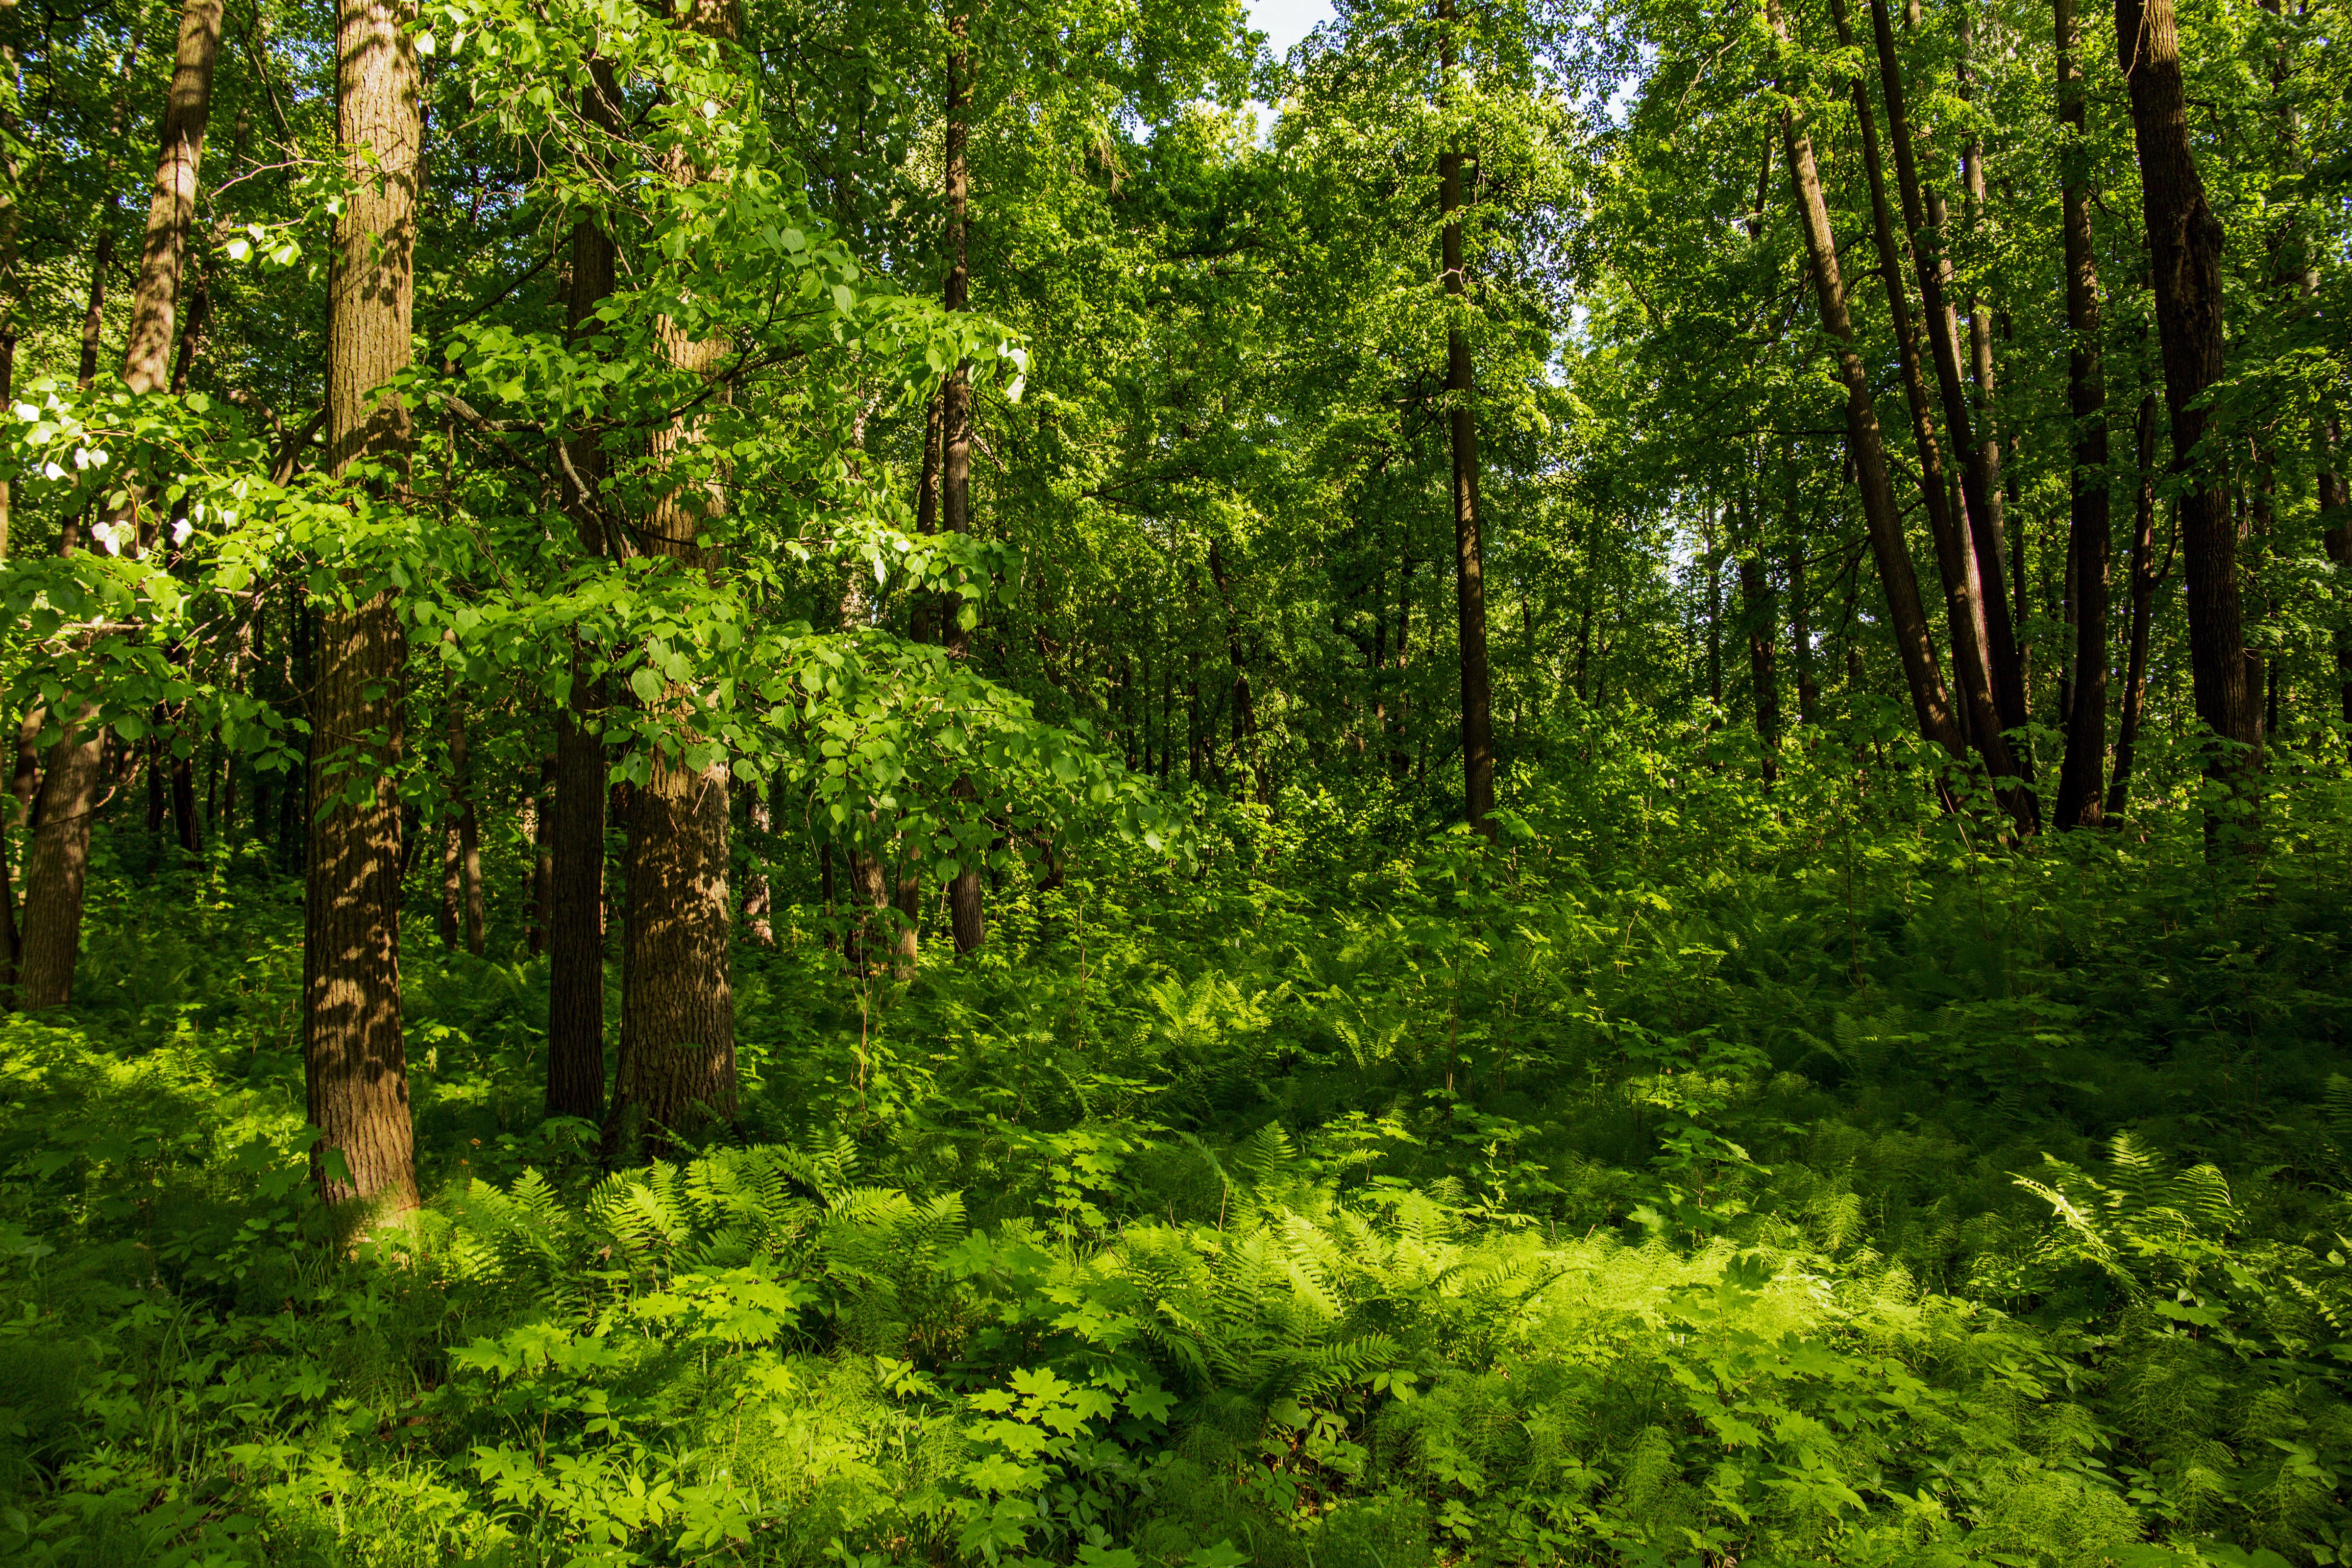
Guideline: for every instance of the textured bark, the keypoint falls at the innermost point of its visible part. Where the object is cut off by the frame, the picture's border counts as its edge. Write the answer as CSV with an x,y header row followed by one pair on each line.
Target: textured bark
x,y
576,809
355,1062
171,209
1931,707
2184,243
2081,791
575,927
55,866
966,920
909,898
677,1002
1462,431
2146,577
1932,269
2336,533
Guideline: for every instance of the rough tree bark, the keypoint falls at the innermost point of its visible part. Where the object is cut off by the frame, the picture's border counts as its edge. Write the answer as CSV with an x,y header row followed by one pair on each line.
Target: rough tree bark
x,y
354,1063
2080,784
2184,244
677,1004
575,917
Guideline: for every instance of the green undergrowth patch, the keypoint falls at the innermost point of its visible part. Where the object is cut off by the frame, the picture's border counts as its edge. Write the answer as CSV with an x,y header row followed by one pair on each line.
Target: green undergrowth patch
x,y
1835,1189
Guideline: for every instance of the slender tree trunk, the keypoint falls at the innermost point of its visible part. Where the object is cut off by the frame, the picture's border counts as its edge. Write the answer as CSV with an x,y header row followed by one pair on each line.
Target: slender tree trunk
x,y
93,315
1964,619
2002,612
171,209
1462,427
966,920
1245,714
354,1063
1908,620
2184,241
1977,484
759,900
908,941
1400,757
2146,577
2080,785
581,798
55,875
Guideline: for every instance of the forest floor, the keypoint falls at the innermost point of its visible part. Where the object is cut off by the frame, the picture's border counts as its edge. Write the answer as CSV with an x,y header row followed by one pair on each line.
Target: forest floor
x,y
1830,1188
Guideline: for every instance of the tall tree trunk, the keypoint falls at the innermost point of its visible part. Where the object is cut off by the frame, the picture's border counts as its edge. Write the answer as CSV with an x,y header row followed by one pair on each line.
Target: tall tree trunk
x,y
1462,429
759,898
1400,756
2002,613
171,209
1908,620
2080,785
966,920
55,875
1976,485
2146,577
677,1005
575,917
353,1058
2184,243
1955,563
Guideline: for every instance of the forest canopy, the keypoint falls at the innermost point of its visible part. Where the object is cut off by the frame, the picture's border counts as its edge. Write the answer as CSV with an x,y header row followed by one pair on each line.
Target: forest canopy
x,y
1008,783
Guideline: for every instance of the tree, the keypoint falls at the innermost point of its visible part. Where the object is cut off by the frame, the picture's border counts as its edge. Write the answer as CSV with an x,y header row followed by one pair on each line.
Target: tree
x,y
354,1064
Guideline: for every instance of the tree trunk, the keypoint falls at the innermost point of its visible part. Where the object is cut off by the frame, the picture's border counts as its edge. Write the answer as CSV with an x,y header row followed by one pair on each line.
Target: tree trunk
x,y
353,1058
575,917
2080,785
54,876
1245,714
1462,427
1963,617
2146,577
1980,487
677,1004
965,916
2184,242
759,900
1908,620
171,209
56,865
469,837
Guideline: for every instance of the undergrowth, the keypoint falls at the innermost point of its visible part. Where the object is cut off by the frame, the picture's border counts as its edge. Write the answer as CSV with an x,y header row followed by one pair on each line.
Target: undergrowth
x,y
1710,1178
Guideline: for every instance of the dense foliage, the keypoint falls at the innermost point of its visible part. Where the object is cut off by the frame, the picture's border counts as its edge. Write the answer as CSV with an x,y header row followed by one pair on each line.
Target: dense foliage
x,y
993,784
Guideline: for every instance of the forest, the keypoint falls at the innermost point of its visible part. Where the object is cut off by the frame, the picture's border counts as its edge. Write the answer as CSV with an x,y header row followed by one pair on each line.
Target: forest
x,y
1003,783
